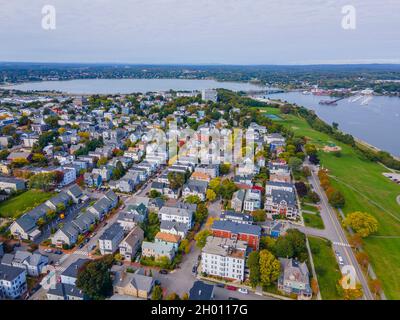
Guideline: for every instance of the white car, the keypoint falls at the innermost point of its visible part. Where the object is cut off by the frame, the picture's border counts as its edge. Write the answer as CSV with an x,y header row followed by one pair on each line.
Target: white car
x,y
243,290
341,262
48,250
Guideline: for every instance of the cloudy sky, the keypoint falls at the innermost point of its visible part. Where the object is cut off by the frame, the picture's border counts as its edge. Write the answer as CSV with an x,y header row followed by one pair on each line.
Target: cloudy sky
x,y
201,31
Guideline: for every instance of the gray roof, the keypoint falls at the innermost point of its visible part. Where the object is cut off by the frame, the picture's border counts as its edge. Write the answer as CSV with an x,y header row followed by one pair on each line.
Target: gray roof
x,y
75,191
237,228
282,195
9,273
26,222
201,291
196,186
111,232
61,198
38,212
63,290
72,270
142,282
178,226
70,230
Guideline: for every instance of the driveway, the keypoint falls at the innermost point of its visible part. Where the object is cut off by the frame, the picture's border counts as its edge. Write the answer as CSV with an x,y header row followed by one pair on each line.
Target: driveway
x,y
180,280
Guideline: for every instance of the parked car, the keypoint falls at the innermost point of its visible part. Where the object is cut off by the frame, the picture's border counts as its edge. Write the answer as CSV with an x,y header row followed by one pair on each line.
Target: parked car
x,y
58,252
220,285
163,271
199,257
48,250
243,290
157,282
81,245
232,288
341,262
194,269
232,298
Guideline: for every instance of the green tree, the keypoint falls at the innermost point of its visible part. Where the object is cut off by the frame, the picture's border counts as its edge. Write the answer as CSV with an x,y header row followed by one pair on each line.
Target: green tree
x,y
94,279
253,263
211,195
362,223
201,238
295,164
269,268
193,199
258,215
336,199
201,213
224,168
176,180
154,194
157,293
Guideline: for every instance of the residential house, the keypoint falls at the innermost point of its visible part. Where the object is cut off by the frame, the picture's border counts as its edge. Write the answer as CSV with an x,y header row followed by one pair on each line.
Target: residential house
x,y
182,215
252,200
11,184
295,279
93,179
224,258
129,246
67,235
136,284
12,282
237,200
158,250
175,228
25,228
33,263
211,170
201,291
281,202
63,291
195,188
104,172
76,193
70,275
164,237
110,239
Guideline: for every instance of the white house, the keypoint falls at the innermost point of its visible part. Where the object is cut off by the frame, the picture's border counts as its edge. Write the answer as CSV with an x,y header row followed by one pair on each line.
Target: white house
x,y
224,257
110,239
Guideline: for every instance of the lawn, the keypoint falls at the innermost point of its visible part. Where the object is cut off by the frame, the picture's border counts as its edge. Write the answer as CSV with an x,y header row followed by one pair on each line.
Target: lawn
x,y
16,206
313,220
309,208
365,189
326,267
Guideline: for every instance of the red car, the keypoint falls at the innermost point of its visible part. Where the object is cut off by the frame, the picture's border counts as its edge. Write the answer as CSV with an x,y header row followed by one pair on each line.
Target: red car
x,y
232,288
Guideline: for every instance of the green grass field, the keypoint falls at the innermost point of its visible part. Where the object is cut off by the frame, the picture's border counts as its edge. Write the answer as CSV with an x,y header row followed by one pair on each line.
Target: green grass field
x,y
313,220
365,189
326,267
16,206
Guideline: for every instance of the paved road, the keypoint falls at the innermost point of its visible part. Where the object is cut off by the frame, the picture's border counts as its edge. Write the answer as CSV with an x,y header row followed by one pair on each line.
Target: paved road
x,y
225,294
335,233
180,280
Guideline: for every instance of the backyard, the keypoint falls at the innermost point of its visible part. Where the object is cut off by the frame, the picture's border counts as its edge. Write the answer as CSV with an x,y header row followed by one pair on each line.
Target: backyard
x,y
16,206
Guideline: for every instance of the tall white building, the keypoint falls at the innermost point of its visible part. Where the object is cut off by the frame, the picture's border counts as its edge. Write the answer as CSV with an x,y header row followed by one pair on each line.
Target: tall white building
x,y
224,258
